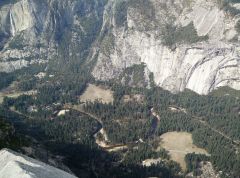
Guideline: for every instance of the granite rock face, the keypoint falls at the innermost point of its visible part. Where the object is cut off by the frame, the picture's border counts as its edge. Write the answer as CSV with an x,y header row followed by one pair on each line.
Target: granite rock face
x,y
13,164
33,31
20,35
184,44
201,66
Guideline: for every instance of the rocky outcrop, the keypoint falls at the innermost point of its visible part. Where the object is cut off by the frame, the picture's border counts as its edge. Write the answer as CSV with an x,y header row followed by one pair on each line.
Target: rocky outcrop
x,y
13,164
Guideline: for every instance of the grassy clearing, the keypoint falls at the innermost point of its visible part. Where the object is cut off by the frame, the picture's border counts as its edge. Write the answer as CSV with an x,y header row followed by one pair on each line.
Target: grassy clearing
x,y
179,144
16,94
12,92
97,93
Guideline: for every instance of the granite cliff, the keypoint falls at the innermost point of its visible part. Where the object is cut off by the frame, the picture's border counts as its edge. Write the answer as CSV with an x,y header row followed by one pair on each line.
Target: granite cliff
x,y
184,44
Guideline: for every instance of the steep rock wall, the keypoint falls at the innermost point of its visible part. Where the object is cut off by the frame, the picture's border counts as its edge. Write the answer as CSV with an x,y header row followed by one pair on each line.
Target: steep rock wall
x,y
33,31
201,67
185,43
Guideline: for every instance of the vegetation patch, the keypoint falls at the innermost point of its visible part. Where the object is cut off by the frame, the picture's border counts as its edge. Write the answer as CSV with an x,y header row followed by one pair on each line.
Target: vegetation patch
x,y
120,12
12,92
107,45
134,76
5,2
177,35
17,42
6,79
123,122
144,7
194,161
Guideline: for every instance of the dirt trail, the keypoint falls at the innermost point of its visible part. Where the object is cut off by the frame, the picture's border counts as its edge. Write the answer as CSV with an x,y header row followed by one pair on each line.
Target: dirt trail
x,y
81,110
202,121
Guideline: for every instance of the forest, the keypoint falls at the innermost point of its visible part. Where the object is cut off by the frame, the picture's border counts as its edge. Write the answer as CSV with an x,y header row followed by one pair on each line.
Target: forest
x,y
33,121
212,120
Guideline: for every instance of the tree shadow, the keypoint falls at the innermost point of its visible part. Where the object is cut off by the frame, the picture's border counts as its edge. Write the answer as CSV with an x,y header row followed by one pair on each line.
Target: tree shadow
x,y
43,171
93,162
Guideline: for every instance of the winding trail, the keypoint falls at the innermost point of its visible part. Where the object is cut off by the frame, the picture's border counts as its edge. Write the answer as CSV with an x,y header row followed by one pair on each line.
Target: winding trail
x,y
201,121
